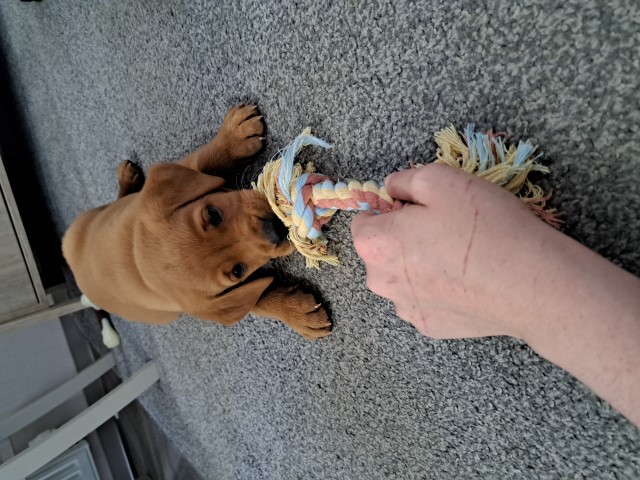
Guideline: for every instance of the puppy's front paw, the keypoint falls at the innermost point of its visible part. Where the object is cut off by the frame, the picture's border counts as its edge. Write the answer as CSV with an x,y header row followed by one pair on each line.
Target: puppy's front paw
x,y
130,177
241,133
306,316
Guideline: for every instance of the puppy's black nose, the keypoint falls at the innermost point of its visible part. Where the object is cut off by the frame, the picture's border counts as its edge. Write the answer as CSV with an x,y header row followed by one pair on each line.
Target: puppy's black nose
x,y
274,229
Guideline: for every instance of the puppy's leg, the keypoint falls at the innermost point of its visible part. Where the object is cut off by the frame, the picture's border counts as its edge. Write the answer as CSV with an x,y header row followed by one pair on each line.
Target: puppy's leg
x,y
130,178
239,138
297,309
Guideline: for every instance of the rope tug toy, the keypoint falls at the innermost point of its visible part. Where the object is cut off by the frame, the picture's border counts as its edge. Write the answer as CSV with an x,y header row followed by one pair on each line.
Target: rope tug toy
x,y
305,200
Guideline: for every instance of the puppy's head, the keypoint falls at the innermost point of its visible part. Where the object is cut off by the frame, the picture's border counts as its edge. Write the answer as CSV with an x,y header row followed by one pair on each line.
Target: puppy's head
x,y
204,239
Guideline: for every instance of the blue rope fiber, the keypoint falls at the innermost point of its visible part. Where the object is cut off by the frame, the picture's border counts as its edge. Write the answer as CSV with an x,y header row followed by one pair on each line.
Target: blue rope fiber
x,y
288,155
479,145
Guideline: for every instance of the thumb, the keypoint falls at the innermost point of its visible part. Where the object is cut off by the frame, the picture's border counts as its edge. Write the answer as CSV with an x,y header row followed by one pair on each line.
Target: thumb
x,y
360,222
365,229
406,185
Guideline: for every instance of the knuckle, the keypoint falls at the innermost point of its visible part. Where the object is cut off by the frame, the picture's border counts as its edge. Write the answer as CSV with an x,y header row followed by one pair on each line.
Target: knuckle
x,y
422,180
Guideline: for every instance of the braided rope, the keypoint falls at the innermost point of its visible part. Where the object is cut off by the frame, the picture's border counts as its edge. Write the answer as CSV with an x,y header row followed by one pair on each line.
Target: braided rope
x,y
305,200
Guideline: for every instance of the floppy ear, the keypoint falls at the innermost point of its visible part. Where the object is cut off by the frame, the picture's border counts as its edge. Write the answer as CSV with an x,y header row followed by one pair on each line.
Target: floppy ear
x,y
171,186
234,305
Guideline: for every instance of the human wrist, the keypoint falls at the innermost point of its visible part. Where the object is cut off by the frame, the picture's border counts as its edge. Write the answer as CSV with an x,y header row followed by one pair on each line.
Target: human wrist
x,y
582,297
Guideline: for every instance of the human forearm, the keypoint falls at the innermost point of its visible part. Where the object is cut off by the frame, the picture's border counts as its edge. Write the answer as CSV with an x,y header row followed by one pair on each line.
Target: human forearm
x,y
588,323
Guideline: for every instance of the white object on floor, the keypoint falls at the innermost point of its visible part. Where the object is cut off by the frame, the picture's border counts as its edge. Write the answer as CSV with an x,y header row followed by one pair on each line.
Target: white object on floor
x,y
109,336
88,303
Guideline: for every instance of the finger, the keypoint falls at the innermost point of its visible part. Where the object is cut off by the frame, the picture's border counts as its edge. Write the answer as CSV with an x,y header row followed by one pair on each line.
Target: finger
x,y
408,185
367,232
361,224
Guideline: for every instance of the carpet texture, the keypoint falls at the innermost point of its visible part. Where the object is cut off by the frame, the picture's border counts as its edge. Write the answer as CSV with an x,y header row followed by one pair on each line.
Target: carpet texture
x,y
102,81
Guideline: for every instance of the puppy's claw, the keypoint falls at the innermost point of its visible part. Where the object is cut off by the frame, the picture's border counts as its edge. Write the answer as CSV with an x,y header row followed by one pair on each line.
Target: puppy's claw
x,y
239,131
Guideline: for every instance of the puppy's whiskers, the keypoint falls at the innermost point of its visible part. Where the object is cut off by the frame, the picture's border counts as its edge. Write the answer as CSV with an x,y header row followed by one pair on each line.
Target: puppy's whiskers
x,y
241,185
241,179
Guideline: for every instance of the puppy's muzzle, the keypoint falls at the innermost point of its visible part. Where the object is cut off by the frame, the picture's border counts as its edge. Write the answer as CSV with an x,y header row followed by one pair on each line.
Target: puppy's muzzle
x,y
274,230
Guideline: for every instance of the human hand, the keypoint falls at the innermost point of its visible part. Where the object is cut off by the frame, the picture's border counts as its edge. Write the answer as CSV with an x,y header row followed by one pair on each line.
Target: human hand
x,y
465,258
461,259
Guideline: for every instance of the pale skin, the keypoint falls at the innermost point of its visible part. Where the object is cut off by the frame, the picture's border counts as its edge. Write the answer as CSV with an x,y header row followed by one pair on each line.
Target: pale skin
x,y
464,258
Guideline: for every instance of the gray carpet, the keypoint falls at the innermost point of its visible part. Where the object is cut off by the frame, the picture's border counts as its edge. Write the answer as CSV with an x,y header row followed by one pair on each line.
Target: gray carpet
x,y
149,80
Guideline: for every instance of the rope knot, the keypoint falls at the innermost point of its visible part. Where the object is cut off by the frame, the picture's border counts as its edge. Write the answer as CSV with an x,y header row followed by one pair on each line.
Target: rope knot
x,y
305,200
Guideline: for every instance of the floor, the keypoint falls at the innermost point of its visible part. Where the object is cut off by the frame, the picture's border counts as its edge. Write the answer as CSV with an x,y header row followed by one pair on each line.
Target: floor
x,y
151,81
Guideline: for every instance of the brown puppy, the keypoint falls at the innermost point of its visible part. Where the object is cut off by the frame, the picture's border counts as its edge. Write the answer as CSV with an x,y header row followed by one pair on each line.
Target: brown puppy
x,y
180,242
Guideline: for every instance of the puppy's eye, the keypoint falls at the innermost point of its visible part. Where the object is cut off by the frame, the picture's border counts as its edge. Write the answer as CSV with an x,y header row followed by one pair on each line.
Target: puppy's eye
x,y
238,270
215,217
